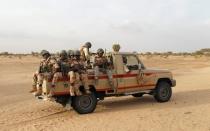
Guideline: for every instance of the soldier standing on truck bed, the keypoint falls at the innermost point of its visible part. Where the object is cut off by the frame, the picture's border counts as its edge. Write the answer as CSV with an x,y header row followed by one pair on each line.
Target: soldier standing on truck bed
x,y
45,70
78,75
62,67
85,54
101,64
85,51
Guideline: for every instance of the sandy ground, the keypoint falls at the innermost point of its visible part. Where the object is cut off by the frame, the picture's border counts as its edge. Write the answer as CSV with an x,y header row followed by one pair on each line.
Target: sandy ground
x,y
188,110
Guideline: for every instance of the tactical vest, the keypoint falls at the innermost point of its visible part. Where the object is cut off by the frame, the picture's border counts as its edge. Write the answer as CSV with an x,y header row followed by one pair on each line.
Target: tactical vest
x,y
45,67
64,66
101,62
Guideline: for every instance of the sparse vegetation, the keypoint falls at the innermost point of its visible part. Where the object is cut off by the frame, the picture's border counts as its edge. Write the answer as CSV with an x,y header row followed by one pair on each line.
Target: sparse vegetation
x,y
197,54
35,53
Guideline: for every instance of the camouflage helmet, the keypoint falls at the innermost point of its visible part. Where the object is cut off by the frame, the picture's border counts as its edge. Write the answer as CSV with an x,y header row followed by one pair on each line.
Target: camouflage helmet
x,y
45,52
100,51
116,47
70,52
76,53
88,45
63,53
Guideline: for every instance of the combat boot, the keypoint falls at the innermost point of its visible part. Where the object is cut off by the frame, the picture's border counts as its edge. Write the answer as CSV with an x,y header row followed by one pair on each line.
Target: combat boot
x,y
33,89
39,91
72,90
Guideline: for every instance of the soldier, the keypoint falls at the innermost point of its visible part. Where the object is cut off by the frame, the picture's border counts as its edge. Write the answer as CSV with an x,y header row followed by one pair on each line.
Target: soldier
x,y
45,70
85,51
101,64
125,62
78,75
61,67
70,55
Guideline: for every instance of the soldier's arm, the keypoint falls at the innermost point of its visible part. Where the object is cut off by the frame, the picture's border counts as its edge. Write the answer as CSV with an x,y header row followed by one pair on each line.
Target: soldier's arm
x,y
40,66
87,53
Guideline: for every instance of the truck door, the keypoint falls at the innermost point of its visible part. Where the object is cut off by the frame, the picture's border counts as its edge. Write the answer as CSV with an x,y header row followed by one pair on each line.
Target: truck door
x,y
131,71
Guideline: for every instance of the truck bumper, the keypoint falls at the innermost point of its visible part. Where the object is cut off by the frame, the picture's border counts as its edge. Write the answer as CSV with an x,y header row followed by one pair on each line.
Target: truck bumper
x,y
173,83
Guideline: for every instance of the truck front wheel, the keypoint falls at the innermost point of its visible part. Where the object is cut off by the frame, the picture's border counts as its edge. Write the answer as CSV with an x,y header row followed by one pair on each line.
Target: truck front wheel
x,y
163,92
84,104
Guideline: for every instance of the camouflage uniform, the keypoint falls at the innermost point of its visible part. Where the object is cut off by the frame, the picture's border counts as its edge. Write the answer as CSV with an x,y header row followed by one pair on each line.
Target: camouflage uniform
x,y
85,52
45,70
62,68
101,64
78,75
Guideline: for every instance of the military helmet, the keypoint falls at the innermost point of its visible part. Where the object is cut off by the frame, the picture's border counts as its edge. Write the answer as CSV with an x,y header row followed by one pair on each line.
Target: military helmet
x,y
100,51
70,52
88,45
45,52
63,53
116,47
76,53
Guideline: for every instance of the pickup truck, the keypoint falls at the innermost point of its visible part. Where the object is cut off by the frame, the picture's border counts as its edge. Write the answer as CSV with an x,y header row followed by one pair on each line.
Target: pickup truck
x,y
130,77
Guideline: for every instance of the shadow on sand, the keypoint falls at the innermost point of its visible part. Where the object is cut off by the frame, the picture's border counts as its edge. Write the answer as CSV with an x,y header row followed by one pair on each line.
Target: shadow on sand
x,y
179,100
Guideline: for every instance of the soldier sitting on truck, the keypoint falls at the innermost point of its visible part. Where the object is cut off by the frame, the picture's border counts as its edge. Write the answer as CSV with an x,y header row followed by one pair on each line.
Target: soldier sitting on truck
x,y
61,68
45,70
70,55
101,64
78,75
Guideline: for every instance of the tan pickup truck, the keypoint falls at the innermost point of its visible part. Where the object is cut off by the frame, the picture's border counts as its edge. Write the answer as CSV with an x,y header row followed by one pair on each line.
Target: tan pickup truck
x,y
130,77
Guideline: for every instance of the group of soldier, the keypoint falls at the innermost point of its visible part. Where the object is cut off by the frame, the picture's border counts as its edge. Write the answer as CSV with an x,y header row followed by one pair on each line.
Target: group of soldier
x,y
72,64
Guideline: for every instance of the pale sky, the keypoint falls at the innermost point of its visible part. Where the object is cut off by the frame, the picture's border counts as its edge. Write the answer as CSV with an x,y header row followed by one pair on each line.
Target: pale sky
x,y
138,25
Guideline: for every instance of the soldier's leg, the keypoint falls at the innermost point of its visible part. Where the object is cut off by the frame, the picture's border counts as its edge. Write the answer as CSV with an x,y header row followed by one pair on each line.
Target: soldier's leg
x,y
40,78
96,71
110,78
77,91
72,79
56,77
84,79
34,83
77,84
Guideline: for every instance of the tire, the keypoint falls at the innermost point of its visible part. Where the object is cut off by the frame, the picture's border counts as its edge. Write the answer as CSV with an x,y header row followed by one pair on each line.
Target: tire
x,y
163,92
138,95
84,104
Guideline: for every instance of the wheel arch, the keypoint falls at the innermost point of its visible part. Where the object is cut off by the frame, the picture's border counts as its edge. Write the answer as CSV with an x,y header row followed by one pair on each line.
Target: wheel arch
x,y
168,80
99,94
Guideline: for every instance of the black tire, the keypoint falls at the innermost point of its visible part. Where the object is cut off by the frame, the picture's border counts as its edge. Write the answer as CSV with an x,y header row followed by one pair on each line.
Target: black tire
x,y
138,95
84,104
163,92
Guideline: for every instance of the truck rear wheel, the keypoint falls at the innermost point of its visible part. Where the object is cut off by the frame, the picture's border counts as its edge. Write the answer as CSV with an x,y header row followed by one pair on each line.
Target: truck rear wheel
x,y
163,92
84,104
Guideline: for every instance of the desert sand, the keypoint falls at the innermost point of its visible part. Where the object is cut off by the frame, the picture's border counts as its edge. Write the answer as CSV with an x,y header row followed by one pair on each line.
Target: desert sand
x,y
188,110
